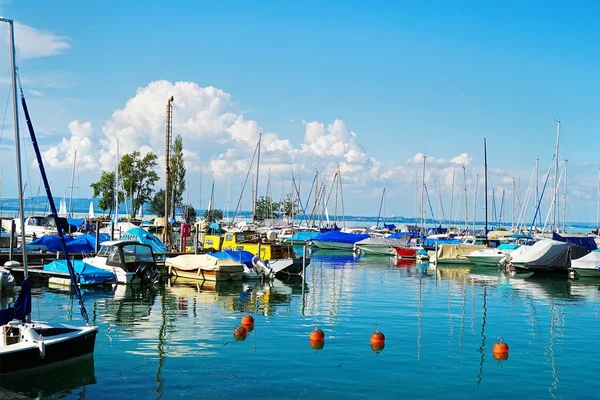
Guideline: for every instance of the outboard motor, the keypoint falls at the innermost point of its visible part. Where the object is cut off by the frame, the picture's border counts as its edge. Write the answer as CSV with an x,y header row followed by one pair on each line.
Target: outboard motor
x,y
147,273
262,267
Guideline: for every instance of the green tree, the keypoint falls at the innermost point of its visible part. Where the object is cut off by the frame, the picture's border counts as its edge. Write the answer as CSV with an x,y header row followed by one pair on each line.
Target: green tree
x,y
189,213
138,177
213,215
289,205
177,174
265,208
105,188
157,204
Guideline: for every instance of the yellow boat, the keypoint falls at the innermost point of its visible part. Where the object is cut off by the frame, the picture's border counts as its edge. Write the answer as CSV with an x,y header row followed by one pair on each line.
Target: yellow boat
x,y
282,259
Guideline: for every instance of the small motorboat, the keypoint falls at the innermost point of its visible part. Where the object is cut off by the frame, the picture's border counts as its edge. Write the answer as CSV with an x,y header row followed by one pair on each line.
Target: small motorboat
x,y
130,261
205,267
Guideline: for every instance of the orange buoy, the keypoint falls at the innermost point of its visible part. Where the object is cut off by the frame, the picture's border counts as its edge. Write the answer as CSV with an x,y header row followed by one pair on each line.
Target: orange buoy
x,y
501,356
317,344
500,348
377,347
239,333
247,320
377,337
317,335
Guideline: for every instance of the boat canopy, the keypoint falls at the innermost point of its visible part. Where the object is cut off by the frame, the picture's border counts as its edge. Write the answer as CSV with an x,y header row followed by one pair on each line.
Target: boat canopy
x,y
584,241
398,235
384,242
340,237
303,236
78,244
192,262
86,274
545,253
241,256
590,261
21,307
143,236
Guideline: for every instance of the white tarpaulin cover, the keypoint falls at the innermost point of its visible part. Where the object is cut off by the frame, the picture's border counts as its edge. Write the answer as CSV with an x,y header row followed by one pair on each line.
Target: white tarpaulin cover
x,y
193,262
590,261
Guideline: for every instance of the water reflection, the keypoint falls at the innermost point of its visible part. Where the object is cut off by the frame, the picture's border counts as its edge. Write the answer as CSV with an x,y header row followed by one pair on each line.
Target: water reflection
x,y
54,381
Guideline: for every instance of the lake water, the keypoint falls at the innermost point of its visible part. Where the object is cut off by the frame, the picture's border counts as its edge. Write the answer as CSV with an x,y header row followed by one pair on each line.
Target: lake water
x,y
176,341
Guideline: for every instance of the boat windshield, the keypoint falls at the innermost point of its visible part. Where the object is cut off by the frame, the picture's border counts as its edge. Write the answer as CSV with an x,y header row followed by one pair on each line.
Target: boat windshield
x,y
104,251
137,253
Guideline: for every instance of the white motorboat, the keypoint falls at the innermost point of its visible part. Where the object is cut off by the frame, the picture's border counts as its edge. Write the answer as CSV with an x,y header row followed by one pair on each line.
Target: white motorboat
x,y
130,261
588,265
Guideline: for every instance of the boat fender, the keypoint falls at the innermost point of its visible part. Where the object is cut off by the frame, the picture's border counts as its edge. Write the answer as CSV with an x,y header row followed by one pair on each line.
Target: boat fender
x,y
41,346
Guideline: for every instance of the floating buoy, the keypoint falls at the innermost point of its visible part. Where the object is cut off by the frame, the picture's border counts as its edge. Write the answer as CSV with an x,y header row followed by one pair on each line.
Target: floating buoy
x,y
377,347
317,344
500,350
377,337
317,335
247,320
239,333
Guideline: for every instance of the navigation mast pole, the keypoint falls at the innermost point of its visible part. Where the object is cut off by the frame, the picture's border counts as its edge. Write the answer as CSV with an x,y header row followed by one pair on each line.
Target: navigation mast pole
x,y
11,36
169,132
485,168
555,211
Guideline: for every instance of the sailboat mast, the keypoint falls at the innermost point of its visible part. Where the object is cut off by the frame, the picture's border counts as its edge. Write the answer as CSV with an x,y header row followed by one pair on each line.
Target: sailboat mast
x,y
72,182
475,205
485,168
466,205
512,226
452,192
256,186
342,196
555,210
565,198
228,193
423,197
537,181
11,31
598,205
116,216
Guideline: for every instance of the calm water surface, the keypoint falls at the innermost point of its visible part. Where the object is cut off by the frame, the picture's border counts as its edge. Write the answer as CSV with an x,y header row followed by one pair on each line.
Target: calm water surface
x,y
440,326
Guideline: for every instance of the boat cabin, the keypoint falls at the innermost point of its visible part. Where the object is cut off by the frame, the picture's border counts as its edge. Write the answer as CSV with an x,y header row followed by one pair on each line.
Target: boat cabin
x,y
248,241
127,254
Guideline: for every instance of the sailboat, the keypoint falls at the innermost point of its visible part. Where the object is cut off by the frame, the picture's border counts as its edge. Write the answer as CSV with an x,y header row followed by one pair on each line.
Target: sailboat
x,y
62,211
91,214
25,344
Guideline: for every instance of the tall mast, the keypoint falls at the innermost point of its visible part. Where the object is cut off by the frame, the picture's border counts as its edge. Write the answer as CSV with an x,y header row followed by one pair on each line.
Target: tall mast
x,y
555,209
168,133
565,198
11,31
256,186
475,205
512,227
598,205
485,168
537,182
72,182
116,216
228,193
342,196
466,205
423,212
452,191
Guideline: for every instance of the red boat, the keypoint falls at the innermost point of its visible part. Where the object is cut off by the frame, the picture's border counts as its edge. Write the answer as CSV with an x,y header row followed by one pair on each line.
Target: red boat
x,y
406,252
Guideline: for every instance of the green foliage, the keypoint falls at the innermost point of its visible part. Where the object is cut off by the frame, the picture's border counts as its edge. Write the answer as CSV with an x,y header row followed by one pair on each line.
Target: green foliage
x,y
265,208
189,213
157,204
138,177
177,173
213,215
105,188
289,205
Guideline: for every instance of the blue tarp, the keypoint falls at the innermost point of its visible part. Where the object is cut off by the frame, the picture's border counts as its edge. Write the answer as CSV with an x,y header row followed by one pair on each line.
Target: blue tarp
x,y
431,242
241,256
78,244
304,236
584,241
87,274
145,237
398,235
391,227
340,237
21,307
437,231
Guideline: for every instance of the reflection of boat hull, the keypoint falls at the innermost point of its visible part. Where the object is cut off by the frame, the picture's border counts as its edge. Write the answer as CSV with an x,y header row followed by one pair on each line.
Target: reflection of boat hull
x,y
59,343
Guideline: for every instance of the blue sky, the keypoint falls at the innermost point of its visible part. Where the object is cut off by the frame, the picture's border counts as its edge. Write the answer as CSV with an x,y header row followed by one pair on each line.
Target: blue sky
x,y
405,77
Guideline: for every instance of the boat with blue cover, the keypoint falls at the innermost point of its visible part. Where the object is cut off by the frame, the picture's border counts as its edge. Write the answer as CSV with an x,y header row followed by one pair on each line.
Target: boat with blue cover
x,y
336,240
85,273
